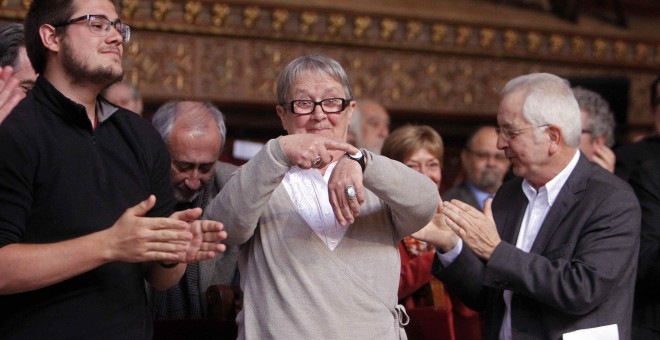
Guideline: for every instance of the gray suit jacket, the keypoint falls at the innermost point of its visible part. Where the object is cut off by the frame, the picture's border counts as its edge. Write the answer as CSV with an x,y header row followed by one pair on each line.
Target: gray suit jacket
x,y
580,272
222,268
219,270
463,194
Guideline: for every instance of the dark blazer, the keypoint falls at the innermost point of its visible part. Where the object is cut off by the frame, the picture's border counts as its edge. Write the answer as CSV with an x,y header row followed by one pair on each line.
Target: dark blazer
x,y
463,194
219,270
646,182
630,156
222,268
580,272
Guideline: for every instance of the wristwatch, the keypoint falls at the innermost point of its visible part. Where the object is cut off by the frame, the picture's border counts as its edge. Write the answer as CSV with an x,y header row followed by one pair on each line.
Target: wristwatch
x,y
358,157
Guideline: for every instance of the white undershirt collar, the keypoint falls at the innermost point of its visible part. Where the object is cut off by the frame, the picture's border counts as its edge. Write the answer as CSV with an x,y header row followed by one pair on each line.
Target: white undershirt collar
x,y
309,192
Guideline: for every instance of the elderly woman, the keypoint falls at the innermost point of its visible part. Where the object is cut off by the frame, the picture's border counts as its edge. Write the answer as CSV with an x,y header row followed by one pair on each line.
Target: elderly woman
x,y
421,149
319,220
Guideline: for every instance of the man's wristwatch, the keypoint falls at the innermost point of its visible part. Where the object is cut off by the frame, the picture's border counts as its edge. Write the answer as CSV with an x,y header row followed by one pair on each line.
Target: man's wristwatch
x,y
358,157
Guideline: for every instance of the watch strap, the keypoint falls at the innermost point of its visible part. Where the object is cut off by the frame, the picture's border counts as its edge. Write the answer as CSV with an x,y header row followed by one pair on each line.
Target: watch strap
x,y
360,159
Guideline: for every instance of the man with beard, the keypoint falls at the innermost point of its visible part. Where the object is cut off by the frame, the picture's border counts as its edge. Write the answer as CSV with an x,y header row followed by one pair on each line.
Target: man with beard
x,y
84,186
485,167
370,125
195,134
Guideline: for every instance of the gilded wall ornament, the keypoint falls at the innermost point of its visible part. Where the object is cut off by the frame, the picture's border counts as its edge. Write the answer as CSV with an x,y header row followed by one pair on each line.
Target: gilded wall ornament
x,y
486,36
510,40
128,8
599,48
361,25
641,52
280,16
335,23
387,28
160,9
413,29
439,33
308,20
463,35
620,50
250,16
557,42
192,9
578,45
533,42
220,14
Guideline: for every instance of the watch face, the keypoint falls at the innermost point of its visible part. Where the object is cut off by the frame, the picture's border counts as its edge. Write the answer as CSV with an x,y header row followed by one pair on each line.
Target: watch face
x,y
356,155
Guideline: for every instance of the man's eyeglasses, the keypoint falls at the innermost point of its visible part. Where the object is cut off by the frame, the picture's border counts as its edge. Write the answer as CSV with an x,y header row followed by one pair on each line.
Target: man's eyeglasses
x,y
509,134
100,25
330,105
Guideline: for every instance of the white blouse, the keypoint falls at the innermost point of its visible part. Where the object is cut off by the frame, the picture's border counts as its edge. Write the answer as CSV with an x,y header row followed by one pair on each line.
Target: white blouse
x,y
309,192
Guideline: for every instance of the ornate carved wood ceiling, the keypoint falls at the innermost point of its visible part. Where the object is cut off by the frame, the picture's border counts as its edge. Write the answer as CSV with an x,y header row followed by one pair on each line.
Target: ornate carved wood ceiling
x,y
427,57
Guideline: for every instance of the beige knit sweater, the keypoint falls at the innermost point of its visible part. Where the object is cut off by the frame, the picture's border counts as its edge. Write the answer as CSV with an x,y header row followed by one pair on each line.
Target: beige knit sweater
x,y
294,286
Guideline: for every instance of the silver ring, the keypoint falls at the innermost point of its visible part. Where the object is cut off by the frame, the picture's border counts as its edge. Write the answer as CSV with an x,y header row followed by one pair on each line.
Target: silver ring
x,y
350,192
317,162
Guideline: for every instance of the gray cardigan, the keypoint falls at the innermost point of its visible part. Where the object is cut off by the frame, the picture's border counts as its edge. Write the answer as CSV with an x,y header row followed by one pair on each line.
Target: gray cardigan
x,y
294,286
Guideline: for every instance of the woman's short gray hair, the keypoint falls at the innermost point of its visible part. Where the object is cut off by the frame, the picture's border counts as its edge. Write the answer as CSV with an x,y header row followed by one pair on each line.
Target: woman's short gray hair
x,y
315,63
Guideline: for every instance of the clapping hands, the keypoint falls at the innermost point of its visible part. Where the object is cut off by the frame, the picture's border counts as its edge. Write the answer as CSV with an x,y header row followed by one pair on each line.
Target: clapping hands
x,y
179,238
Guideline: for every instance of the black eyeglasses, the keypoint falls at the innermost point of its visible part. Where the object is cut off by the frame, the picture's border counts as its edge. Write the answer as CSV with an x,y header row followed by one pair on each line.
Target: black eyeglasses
x,y
100,25
509,134
329,105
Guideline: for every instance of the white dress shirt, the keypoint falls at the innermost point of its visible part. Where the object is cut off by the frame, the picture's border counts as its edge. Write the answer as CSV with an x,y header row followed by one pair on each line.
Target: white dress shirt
x,y
309,192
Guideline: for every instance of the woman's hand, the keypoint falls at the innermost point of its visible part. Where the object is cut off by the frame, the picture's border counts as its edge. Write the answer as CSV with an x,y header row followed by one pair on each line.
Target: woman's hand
x,y
437,232
313,151
347,173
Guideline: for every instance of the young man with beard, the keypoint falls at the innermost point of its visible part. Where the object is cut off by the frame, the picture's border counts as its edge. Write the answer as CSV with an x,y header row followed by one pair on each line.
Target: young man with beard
x,y
485,167
83,188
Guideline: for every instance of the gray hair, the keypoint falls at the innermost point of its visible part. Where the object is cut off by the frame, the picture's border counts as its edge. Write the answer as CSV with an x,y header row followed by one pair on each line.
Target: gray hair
x,y
600,119
315,63
548,99
135,94
163,119
12,38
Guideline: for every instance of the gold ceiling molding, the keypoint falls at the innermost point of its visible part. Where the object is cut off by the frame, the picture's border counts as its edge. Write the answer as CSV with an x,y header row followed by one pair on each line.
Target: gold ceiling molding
x,y
351,28
225,69
231,51
313,25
